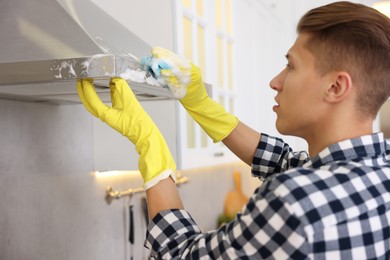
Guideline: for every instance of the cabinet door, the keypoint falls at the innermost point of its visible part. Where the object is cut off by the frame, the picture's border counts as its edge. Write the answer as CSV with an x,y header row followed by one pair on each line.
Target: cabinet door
x,y
204,35
264,32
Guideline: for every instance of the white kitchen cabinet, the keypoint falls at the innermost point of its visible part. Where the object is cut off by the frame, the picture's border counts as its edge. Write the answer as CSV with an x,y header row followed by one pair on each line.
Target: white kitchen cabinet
x,y
264,31
204,35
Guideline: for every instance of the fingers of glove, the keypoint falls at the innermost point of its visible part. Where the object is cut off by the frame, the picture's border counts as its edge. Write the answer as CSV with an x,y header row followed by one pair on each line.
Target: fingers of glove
x,y
159,52
169,77
171,58
116,94
95,104
122,97
176,84
80,91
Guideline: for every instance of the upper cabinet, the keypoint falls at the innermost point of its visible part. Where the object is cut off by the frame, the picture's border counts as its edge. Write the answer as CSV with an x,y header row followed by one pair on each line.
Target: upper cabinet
x,y
204,35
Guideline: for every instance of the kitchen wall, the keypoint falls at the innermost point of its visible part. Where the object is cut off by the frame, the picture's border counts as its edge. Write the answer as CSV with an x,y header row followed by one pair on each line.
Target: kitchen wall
x,y
52,207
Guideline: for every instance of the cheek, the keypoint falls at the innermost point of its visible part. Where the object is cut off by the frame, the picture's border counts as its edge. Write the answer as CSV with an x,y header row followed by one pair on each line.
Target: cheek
x,y
301,90
299,104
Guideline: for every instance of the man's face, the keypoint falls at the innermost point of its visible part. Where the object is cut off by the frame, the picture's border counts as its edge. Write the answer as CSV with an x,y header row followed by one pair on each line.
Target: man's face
x,y
300,89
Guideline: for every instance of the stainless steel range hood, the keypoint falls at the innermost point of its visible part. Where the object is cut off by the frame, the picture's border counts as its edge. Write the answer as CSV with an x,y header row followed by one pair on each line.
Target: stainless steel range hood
x,y
47,44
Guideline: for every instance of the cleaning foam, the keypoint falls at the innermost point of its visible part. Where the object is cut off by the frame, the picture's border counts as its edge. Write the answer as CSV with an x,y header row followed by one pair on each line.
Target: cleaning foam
x,y
168,73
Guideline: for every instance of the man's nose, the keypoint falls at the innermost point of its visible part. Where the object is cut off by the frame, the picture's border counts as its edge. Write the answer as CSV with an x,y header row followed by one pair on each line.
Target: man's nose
x,y
277,82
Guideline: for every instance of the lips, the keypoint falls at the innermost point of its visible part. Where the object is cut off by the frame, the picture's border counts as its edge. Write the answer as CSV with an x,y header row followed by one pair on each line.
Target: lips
x,y
275,106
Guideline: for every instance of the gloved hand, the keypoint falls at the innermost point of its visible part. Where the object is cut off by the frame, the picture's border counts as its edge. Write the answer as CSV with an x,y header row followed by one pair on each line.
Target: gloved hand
x,y
129,118
210,115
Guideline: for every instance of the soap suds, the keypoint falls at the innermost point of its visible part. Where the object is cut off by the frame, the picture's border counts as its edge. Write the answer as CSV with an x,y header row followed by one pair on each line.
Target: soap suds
x,y
141,76
175,76
64,70
94,66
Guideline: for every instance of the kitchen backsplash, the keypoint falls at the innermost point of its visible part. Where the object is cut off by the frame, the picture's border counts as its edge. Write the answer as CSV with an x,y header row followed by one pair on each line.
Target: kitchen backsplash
x,y
53,207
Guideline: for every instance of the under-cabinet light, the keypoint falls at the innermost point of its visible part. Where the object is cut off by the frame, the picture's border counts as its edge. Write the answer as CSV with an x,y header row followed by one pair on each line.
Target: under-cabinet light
x,y
111,174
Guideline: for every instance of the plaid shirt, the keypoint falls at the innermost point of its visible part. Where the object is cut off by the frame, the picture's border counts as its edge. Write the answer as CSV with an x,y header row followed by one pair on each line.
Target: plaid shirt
x,y
333,206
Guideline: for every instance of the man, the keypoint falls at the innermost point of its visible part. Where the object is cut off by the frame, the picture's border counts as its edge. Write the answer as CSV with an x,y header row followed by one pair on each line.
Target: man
x,y
332,204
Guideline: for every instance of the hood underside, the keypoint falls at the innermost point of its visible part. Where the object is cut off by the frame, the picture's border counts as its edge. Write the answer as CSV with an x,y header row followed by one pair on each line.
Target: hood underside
x,y
50,44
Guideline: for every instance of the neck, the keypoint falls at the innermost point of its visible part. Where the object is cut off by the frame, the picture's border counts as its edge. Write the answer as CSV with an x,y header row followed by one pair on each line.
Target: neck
x,y
325,135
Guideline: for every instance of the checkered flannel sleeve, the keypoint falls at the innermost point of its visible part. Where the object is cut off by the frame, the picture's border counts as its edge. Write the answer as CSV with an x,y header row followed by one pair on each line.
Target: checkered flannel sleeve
x,y
266,229
275,156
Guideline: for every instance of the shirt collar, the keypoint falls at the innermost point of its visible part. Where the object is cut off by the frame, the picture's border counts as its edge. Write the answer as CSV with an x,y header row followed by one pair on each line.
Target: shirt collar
x,y
351,149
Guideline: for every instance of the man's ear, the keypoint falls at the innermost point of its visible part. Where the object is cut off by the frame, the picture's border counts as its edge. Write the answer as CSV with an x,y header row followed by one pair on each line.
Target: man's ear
x,y
339,88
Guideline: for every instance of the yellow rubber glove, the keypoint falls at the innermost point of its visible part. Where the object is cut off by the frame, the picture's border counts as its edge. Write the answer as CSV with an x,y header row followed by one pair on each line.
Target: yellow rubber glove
x,y
129,118
210,115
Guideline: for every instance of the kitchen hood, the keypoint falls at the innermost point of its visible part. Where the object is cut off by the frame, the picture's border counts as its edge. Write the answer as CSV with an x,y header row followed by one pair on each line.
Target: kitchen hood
x,y
47,44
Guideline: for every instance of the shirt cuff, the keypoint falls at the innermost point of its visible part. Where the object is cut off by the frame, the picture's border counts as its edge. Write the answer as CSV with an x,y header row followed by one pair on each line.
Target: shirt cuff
x,y
266,159
168,229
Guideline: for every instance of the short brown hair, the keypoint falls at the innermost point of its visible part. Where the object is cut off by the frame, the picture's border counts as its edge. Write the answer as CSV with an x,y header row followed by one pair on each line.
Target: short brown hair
x,y
354,38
